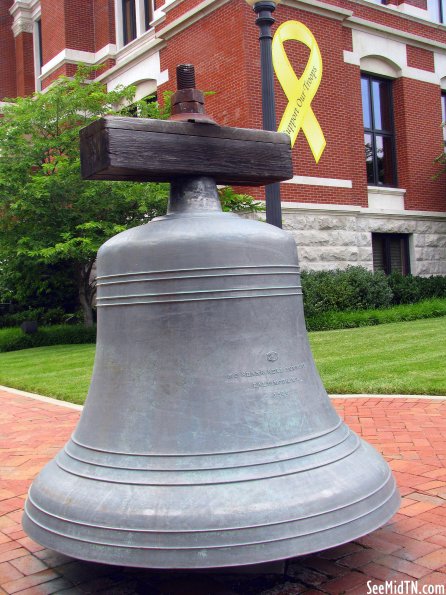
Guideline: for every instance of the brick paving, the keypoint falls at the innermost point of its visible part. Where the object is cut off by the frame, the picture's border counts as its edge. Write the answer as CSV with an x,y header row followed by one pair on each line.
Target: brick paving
x,y
410,433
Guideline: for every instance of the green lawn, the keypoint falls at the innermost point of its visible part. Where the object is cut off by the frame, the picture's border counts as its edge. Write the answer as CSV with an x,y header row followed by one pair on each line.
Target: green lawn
x,y
61,371
405,357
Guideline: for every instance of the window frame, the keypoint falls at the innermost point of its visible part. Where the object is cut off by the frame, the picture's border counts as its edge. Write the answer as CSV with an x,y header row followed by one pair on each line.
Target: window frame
x,y
386,239
141,14
443,116
383,133
37,51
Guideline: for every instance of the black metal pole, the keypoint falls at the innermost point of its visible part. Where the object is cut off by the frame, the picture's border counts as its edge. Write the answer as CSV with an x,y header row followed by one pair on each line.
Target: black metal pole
x,y
265,20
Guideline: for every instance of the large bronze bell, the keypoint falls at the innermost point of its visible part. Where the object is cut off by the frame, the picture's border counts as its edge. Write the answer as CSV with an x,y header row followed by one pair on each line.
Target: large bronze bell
x,y
207,439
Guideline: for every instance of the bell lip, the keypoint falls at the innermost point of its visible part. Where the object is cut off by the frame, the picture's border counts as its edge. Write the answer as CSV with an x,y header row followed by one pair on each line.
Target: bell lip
x,y
198,563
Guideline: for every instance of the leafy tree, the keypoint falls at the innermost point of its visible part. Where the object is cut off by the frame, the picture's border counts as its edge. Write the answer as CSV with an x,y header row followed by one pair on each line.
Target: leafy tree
x,y
29,284
48,214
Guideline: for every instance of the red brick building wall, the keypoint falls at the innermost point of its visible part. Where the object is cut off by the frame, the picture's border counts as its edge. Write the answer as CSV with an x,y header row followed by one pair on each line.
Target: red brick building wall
x,y
104,23
7,53
418,142
221,39
24,56
53,28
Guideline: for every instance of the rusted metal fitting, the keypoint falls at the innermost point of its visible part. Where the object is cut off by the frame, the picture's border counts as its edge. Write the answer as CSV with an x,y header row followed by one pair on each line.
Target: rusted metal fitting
x,y
188,102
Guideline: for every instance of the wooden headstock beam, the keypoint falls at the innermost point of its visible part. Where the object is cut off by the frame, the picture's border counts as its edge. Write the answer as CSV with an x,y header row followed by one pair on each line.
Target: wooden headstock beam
x,y
146,150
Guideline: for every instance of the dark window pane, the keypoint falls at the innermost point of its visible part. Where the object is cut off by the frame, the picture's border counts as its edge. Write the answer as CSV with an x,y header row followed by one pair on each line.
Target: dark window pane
x,y
384,158
366,113
129,20
396,255
378,252
368,145
381,105
148,13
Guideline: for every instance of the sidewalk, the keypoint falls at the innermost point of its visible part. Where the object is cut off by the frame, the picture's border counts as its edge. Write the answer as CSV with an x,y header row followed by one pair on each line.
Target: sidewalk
x,y
411,434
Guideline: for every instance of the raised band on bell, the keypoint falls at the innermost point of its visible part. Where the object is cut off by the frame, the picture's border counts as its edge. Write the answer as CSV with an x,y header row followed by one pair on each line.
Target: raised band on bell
x,y
207,439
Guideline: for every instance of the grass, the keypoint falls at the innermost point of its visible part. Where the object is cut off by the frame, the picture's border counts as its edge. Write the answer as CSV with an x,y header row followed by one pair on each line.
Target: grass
x,y
60,371
405,357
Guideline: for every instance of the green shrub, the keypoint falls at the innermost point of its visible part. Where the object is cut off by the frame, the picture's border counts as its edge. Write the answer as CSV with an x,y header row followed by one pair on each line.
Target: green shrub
x,y
13,339
402,313
44,317
410,289
354,288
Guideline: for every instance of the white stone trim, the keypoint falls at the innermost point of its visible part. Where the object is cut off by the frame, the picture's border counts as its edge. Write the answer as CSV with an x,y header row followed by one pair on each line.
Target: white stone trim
x,y
311,181
170,4
387,190
421,75
332,209
133,48
145,73
387,56
140,17
414,11
378,65
25,12
36,51
440,68
391,213
119,20
418,15
22,24
382,198
150,49
37,397
320,8
159,16
380,30
68,56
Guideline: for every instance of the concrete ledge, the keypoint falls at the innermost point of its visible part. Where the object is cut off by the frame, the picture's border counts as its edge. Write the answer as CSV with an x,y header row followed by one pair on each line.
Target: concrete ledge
x,y
24,393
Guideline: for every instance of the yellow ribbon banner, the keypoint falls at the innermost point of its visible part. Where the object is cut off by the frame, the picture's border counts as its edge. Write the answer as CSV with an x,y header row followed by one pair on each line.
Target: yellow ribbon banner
x,y
299,91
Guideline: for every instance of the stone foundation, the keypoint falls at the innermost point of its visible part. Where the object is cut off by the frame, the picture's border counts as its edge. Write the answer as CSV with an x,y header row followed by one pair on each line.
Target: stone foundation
x,y
330,237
